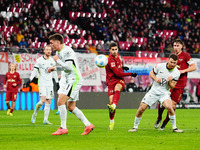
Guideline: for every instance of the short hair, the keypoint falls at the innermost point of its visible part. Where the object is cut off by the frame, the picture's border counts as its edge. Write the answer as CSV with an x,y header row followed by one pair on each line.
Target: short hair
x,y
47,46
57,36
173,56
113,44
177,41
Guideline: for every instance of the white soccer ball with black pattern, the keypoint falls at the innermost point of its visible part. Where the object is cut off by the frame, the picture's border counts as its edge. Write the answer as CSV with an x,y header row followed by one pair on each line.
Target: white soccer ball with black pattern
x,y
101,61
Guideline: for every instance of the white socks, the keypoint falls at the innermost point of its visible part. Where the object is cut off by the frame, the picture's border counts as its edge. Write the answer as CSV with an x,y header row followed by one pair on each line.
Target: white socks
x,y
112,121
173,121
46,111
79,114
137,122
63,116
37,107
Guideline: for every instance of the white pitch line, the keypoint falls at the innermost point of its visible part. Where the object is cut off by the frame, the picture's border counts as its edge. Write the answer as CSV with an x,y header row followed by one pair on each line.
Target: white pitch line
x,y
83,126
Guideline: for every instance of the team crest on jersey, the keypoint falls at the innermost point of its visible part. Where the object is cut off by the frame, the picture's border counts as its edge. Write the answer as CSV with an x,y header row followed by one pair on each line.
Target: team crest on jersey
x,y
112,64
180,59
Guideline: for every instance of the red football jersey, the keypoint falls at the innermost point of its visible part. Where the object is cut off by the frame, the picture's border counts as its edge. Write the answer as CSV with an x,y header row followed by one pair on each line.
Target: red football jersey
x,y
184,60
11,78
114,70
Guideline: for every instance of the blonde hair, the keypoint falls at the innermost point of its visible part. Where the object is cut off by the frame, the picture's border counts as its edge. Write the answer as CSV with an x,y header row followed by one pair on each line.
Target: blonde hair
x,y
11,65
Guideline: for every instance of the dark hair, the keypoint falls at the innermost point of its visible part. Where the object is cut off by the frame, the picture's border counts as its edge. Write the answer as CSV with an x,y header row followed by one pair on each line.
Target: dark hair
x,y
177,41
113,44
58,37
174,57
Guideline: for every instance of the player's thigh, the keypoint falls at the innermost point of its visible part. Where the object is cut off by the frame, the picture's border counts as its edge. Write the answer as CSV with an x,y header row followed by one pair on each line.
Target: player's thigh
x,y
150,98
176,95
165,100
8,96
49,92
120,85
42,91
14,96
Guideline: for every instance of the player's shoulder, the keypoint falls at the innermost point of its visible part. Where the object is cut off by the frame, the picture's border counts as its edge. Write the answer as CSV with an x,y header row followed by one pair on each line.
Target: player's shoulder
x,y
176,70
185,54
17,73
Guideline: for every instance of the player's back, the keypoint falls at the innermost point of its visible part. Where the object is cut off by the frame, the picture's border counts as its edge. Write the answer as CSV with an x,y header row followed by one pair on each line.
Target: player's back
x,y
113,63
45,78
68,54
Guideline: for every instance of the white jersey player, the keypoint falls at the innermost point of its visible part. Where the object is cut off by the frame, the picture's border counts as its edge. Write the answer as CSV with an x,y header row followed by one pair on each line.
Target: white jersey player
x,y
70,84
165,76
45,82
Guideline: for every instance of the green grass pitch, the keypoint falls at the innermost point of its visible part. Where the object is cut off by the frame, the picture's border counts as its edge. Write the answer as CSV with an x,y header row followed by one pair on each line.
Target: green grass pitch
x,y
18,133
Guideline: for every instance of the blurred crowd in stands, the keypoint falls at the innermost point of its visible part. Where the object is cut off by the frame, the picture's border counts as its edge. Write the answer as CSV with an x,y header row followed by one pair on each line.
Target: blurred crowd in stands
x,y
28,23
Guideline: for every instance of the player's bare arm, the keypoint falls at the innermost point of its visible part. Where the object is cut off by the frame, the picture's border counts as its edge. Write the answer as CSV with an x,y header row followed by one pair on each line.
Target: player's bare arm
x,y
172,83
153,76
55,58
4,86
191,68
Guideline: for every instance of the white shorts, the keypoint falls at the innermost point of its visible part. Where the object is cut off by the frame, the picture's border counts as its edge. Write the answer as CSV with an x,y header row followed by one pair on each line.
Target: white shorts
x,y
150,97
46,91
71,90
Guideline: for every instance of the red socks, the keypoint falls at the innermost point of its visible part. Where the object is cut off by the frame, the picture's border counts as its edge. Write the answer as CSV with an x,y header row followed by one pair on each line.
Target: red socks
x,y
11,110
116,97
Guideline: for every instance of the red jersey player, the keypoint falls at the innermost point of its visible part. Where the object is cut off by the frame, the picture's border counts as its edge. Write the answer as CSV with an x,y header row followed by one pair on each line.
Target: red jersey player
x,y
11,82
115,80
185,64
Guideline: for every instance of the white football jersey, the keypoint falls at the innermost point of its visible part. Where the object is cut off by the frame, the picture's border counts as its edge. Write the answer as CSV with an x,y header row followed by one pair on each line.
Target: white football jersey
x,y
70,69
162,72
42,64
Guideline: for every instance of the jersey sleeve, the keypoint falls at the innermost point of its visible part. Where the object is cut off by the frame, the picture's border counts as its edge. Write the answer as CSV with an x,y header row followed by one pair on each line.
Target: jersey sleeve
x,y
156,68
5,79
188,58
37,64
112,65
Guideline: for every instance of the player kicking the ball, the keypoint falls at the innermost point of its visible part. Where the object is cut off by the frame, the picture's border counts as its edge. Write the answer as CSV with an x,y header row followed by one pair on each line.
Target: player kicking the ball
x,y
115,80
165,76
45,83
70,84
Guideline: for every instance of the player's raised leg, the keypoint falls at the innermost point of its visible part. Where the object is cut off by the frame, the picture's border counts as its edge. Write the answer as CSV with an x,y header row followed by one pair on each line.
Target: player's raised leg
x,y
71,105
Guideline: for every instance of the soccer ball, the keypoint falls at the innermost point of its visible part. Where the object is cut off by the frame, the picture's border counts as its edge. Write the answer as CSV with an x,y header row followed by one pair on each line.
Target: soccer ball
x,y
101,61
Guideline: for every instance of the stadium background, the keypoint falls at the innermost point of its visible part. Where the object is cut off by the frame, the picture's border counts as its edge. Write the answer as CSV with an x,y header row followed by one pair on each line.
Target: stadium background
x,y
143,29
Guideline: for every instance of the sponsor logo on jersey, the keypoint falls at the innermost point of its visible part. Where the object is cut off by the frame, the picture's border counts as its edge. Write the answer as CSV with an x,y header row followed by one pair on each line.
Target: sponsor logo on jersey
x,y
180,59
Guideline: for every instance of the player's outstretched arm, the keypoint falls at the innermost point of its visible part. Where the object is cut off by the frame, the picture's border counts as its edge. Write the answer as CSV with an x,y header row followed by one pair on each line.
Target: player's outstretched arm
x,y
33,74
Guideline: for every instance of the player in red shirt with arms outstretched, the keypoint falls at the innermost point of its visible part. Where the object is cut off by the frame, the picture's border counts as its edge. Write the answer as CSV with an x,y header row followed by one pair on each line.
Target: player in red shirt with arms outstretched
x,y
185,64
11,82
115,80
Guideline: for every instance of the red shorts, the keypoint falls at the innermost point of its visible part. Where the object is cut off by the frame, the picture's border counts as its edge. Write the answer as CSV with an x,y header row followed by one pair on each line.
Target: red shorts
x,y
111,87
176,94
11,96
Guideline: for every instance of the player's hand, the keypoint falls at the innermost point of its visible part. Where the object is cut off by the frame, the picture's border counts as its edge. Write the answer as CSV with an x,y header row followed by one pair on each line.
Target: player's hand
x,y
125,68
4,86
182,71
133,74
55,58
50,69
169,79
14,84
158,80
57,86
